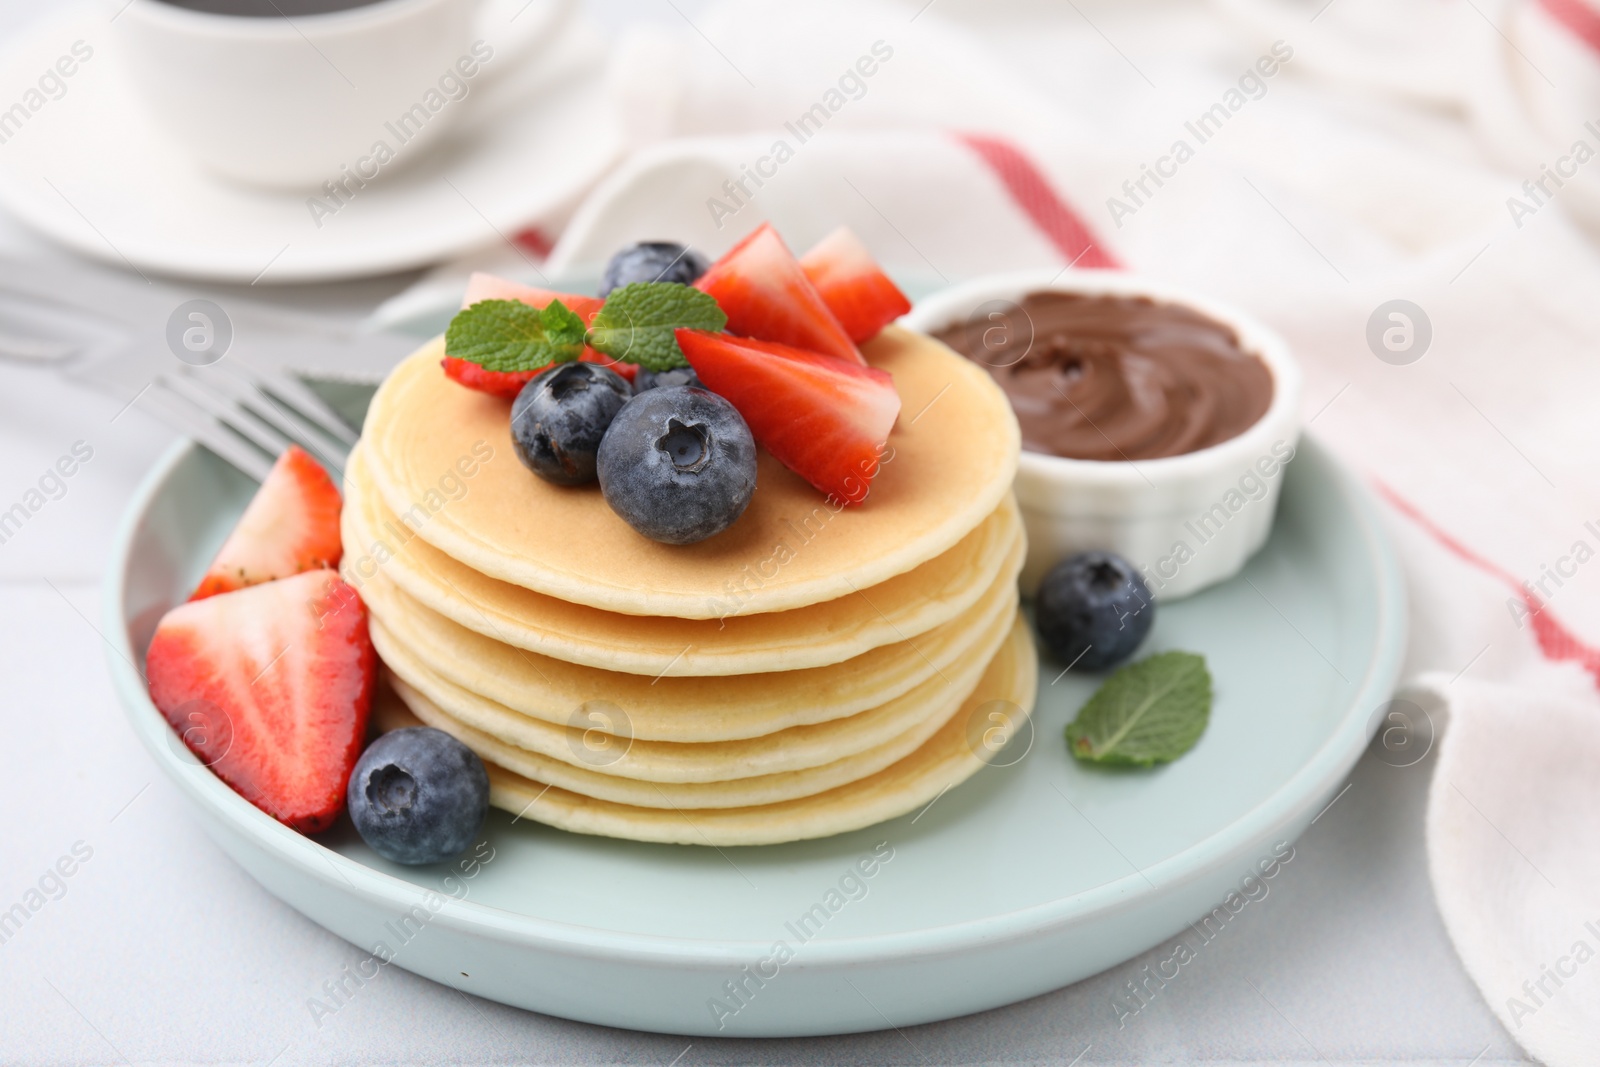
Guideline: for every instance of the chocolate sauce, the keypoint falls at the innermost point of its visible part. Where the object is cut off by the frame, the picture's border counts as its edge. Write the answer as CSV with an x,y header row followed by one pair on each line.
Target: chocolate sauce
x,y
1115,377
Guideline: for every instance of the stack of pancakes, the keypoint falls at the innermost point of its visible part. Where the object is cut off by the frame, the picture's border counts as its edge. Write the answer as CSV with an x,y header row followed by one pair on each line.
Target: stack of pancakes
x,y
811,670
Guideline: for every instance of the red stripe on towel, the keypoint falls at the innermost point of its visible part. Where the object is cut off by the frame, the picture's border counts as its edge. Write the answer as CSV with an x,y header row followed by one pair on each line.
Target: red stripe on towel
x,y
1031,190
1555,641
1582,21
533,239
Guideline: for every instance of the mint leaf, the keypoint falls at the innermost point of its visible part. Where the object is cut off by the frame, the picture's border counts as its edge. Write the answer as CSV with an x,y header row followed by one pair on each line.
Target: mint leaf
x,y
508,335
562,326
1148,712
637,321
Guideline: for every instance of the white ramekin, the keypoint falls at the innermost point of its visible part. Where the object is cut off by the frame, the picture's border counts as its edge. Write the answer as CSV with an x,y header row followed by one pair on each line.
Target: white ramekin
x,y
1186,522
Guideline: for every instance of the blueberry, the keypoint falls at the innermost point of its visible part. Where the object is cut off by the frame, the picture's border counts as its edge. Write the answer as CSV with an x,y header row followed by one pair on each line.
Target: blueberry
x,y
558,419
418,795
649,379
1093,610
678,464
653,261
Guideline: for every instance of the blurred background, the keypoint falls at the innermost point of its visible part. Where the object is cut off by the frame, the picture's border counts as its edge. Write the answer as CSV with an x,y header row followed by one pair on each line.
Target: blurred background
x,y
1384,157
1319,163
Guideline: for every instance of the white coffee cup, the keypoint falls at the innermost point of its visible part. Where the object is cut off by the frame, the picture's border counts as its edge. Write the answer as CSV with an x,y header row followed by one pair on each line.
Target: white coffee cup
x,y
294,102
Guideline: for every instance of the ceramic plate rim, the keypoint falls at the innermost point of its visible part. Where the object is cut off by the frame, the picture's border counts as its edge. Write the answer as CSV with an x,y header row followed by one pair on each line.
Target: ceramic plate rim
x,y
1310,782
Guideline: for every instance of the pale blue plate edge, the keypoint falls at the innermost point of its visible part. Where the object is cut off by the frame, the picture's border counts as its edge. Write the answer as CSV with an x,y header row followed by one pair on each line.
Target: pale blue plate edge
x,y
1313,781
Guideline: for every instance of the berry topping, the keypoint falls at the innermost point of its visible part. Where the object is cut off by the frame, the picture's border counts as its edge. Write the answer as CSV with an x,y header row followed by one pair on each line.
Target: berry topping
x,y
652,261
291,525
678,464
558,419
767,296
826,419
270,686
507,384
851,283
418,795
1093,610
649,379
501,383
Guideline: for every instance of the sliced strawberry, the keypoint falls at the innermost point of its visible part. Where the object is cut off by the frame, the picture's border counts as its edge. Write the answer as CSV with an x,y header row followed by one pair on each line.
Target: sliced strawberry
x,y
489,287
291,525
760,285
508,384
852,284
826,419
270,687
500,383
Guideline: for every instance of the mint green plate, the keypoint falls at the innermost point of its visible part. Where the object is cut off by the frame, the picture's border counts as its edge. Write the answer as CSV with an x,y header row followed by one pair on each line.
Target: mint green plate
x,y
1030,876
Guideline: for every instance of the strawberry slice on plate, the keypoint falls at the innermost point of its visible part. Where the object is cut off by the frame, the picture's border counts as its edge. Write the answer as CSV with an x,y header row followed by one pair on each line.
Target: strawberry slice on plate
x,y
270,687
851,283
508,384
765,294
291,525
824,418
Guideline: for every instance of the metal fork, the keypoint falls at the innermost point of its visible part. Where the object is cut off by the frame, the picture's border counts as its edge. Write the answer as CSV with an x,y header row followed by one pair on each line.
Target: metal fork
x,y
248,416
102,330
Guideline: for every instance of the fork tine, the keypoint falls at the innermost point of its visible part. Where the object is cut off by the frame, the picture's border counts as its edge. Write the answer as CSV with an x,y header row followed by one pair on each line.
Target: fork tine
x,y
232,415
186,418
333,454
296,394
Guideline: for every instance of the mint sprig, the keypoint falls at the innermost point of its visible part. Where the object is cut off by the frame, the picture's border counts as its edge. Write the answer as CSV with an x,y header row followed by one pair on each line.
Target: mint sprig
x,y
563,326
508,335
1146,713
635,325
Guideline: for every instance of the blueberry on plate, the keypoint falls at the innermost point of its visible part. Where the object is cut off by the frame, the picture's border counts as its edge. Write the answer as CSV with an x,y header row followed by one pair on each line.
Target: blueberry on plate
x,y
559,417
653,261
418,795
1093,610
678,464
652,379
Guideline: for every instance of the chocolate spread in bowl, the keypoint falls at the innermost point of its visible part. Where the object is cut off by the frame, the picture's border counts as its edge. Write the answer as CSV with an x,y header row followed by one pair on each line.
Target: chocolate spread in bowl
x,y
1107,377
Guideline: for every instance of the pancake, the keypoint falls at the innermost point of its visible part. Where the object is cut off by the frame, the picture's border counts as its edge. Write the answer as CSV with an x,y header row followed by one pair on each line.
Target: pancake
x,y
590,741
947,759
442,453
737,793
899,609
681,709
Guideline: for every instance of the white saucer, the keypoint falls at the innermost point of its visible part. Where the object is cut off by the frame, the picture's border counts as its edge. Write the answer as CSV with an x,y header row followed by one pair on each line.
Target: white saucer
x,y
89,170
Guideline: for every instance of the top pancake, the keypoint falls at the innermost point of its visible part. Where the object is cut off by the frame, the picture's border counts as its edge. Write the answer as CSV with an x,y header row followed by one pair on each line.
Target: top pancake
x,y
432,445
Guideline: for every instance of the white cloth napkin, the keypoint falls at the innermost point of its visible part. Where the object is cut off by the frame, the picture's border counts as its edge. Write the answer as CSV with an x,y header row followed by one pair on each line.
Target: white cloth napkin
x,y
1374,164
